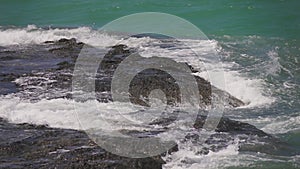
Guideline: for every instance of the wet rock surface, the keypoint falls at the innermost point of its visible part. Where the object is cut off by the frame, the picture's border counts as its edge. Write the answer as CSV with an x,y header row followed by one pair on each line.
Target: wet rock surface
x,y
33,146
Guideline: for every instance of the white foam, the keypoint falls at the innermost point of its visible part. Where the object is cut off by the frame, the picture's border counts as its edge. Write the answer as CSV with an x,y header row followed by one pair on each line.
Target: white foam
x,y
275,124
187,158
282,125
62,113
56,112
34,35
250,91
273,67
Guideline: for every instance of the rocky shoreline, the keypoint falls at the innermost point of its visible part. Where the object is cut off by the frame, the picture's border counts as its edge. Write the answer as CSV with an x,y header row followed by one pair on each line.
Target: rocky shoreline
x,y
39,146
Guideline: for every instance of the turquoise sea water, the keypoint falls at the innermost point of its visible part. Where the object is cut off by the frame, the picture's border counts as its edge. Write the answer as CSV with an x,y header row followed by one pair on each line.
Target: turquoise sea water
x,y
260,37
275,18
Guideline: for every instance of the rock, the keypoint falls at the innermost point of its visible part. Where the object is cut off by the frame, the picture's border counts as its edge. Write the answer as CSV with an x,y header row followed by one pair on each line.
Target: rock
x,y
150,79
66,47
249,137
49,41
65,65
34,146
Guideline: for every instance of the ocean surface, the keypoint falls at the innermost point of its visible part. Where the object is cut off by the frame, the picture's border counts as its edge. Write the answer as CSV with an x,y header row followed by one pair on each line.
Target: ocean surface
x,y
258,42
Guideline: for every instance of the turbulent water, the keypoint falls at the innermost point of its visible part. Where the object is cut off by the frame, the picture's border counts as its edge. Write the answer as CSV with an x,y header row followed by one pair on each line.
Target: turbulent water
x,y
257,40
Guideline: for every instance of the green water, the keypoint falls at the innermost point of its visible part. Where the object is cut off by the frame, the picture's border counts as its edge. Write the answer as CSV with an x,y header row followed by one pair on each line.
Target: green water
x,y
273,18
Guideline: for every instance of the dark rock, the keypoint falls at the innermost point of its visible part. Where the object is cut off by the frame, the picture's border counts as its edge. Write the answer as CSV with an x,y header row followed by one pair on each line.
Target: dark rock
x,y
232,126
68,41
49,42
150,79
192,68
65,65
33,146
67,47
8,77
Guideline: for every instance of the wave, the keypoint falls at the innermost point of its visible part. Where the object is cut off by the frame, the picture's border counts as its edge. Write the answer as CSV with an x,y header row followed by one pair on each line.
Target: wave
x,y
187,158
249,90
282,125
34,35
